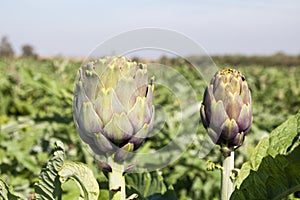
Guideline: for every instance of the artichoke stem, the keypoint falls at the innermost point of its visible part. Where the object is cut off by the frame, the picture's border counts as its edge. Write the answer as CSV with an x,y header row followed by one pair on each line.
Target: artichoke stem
x,y
116,180
227,183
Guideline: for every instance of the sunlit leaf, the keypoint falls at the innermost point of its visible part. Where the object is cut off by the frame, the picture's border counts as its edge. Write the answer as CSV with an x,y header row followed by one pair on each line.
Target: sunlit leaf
x,y
83,176
6,192
49,186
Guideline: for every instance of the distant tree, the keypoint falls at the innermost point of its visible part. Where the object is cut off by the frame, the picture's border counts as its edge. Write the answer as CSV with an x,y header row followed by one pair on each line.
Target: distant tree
x,y
6,49
28,51
136,59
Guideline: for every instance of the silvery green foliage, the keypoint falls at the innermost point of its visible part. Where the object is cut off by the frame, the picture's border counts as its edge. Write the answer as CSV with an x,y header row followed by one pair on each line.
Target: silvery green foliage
x,y
274,165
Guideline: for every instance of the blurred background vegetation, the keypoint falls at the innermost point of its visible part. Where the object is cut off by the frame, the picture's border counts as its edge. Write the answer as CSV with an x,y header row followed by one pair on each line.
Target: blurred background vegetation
x,y
36,110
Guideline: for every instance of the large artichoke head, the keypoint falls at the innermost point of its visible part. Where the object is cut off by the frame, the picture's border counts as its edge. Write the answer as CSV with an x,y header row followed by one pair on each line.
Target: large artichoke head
x,y
226,110
113,108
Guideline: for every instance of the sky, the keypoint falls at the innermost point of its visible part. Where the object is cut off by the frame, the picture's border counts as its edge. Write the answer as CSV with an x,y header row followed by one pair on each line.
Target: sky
x,y
76,27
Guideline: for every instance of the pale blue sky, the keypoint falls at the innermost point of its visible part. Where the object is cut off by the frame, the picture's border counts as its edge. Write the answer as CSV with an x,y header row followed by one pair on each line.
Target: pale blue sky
x,y
74,27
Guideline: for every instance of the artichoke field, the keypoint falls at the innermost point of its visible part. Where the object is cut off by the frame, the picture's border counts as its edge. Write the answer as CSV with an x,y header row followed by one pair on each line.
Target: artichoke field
x,y
36,111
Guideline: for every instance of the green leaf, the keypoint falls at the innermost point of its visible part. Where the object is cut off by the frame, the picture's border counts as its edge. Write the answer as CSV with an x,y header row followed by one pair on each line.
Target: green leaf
x,y
49,186
83,176
148,186
169,194
6,192
273,170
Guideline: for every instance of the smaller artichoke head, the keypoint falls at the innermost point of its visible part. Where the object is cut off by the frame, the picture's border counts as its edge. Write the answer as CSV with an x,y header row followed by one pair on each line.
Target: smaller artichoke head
x,y
113,109
226,110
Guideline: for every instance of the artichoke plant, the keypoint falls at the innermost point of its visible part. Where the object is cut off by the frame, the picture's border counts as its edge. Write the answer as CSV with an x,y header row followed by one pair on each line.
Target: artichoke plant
x,y
226,110
113,109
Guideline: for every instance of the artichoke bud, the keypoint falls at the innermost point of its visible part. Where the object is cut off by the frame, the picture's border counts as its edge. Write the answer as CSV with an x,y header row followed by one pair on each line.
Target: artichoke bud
x,y
113,109
226,110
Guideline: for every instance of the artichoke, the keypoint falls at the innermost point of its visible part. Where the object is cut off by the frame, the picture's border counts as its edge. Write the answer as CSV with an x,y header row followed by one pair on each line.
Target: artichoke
x,y
113,109
226,110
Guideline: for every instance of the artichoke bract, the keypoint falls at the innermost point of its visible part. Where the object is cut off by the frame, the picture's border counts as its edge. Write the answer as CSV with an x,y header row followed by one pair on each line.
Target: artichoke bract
x,y
226,110
113,109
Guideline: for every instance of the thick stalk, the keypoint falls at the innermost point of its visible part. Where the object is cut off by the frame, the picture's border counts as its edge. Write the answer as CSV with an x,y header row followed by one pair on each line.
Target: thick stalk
x,y
227,183
116,181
